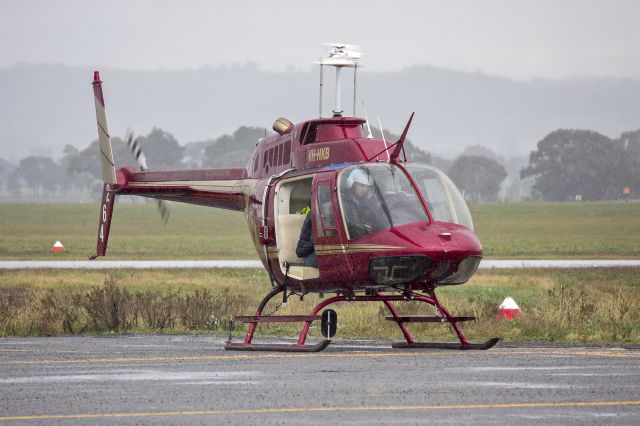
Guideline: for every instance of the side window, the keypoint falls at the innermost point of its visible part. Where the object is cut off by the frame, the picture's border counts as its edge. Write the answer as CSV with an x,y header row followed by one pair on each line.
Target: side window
x,y
311,134
325,219
304,131
286,157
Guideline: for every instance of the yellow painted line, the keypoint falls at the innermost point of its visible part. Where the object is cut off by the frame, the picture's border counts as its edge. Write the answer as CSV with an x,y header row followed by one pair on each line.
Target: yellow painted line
x,y
220,357
326,409
60,351
409,353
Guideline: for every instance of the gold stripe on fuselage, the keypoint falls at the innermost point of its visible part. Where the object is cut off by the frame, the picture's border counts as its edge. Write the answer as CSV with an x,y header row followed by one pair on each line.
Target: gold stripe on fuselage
x,y
333,249
244,186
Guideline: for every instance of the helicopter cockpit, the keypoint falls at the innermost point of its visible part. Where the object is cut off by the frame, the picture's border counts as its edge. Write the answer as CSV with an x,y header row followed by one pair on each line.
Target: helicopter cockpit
x,y
380,196
375,197
348,203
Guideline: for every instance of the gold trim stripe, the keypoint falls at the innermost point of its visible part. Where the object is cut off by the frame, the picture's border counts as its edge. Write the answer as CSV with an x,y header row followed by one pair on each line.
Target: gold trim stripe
x,y
243,186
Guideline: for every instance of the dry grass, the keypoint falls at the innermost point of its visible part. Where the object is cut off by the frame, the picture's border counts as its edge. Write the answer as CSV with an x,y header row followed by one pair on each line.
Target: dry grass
x,y
598,305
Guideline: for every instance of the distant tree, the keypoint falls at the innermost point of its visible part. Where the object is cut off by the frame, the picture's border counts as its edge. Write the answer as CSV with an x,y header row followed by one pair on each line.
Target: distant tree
x,y
630,142
6,170
40,174
414,154
195,153
162,150
15,184
484,151
478,177
87,161
233,150
577,162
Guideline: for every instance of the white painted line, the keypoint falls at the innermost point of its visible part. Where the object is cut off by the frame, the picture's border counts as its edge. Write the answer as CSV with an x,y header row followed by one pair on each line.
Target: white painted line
x,y
519,264
244,264
128,264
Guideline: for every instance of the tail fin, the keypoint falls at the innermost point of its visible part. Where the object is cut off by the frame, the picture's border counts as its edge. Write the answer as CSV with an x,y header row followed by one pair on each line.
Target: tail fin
x,y
106,154
108,170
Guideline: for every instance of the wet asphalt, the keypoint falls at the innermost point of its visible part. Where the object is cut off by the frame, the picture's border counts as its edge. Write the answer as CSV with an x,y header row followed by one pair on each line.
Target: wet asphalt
x,y
182,379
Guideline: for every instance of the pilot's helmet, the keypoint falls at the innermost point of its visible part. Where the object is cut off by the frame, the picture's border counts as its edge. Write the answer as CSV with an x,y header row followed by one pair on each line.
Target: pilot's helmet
x,y
359,176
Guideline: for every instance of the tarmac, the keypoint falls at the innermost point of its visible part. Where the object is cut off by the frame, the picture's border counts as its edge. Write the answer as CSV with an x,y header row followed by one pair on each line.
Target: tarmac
x,y
185,379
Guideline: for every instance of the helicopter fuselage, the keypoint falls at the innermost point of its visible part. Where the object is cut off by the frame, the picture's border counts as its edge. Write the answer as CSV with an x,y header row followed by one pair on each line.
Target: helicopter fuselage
x,y
307,166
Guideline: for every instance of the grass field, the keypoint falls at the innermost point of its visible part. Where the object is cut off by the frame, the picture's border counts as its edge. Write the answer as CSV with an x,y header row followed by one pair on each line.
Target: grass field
x,y
559,305
522,230
599,305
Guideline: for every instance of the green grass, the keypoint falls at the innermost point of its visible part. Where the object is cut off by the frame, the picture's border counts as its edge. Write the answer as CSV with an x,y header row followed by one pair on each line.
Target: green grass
x,y
604,230
521,230
598,305
27,231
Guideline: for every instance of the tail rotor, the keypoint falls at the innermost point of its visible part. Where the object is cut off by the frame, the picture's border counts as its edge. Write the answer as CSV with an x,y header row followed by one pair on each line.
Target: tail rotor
x,y
136,151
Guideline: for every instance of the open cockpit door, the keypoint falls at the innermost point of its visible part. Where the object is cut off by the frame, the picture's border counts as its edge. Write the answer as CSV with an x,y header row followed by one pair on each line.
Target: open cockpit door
x,y
293,199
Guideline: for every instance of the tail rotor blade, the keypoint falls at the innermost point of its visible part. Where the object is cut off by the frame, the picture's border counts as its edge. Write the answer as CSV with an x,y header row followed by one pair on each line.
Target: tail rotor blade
x,y
136,150
163,209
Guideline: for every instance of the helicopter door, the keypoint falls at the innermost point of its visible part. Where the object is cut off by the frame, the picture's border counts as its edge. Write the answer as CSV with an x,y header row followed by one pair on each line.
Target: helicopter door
x,y
327,234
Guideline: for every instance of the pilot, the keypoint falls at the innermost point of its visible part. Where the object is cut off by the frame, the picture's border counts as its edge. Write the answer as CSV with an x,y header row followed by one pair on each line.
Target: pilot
x,y
358,206
305,247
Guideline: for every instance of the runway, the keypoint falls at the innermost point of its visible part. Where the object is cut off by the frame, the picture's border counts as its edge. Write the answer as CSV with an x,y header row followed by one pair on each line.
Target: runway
x,y
207,264
191,380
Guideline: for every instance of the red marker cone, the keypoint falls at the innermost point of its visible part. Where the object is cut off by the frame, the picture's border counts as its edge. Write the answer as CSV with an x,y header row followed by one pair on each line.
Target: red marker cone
x,y
509,309
57,246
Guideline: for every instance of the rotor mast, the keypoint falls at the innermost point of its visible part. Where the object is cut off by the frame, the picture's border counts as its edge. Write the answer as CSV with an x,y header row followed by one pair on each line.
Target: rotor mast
x,y
340,56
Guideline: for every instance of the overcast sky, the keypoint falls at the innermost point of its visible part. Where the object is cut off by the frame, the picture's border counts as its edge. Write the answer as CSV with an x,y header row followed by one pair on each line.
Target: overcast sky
x,y
517,39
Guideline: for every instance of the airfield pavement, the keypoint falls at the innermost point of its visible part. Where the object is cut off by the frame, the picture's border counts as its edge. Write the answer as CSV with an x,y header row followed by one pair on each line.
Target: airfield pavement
x,y
185,379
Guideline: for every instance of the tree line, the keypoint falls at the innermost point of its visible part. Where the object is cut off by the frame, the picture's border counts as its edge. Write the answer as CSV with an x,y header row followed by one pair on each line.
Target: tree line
x,y
585,165
566,165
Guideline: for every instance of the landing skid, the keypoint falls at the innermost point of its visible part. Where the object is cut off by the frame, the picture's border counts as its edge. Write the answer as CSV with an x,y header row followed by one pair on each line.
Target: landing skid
x,y
276,347
434,345
443,316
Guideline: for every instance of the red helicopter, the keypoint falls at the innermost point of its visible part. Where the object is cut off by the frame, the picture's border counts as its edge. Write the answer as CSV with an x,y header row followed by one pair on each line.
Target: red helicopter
x,y
383,229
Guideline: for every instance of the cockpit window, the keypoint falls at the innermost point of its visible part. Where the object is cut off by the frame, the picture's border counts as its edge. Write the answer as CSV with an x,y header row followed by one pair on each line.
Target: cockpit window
x,y
375,197
445,202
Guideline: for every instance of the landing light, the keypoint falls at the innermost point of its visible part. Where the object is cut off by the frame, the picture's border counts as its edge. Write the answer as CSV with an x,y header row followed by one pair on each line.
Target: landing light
x,y
465,270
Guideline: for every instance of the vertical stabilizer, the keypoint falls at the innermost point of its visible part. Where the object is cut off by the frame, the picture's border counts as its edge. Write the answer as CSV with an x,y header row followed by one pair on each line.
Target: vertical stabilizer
x,y
104,140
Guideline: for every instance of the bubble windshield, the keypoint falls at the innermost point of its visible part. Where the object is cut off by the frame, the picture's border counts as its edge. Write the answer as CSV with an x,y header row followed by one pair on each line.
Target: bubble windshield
x,y
445,202
375,197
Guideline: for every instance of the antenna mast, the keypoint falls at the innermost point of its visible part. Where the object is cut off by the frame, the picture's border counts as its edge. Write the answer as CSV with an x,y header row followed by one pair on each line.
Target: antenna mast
x,y
340,56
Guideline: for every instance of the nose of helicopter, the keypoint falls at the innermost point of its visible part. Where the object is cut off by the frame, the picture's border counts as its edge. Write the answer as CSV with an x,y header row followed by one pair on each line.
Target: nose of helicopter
x,y
443,253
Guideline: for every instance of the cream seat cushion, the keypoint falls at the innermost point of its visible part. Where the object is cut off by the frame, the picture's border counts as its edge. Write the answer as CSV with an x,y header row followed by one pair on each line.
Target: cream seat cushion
x,y
287,235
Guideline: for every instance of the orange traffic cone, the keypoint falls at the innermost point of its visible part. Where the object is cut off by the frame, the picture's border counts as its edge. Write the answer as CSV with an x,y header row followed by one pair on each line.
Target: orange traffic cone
x,y
57,246
509,309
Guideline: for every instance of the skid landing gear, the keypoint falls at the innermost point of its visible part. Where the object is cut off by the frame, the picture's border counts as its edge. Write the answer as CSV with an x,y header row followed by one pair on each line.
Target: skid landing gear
x,y
444,317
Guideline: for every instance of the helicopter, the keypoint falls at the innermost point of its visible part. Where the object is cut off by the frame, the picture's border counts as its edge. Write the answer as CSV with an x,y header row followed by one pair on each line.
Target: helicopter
x,y
422,237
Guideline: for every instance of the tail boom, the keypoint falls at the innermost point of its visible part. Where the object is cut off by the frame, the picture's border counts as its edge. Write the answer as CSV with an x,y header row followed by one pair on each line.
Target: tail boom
x,y
222,188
